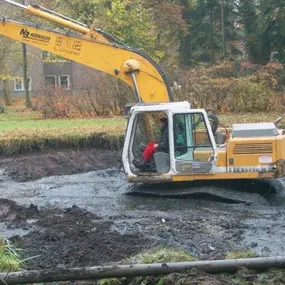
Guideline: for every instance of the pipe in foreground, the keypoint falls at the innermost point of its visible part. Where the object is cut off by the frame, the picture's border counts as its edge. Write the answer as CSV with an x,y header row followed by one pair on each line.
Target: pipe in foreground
x,y
155,269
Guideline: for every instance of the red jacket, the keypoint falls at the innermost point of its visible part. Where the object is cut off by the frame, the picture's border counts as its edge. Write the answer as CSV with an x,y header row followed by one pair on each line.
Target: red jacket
x,y
148,151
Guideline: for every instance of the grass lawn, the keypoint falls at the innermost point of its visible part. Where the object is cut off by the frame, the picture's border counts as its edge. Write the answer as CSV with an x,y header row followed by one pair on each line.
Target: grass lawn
x,y
229,119
113,125
22,130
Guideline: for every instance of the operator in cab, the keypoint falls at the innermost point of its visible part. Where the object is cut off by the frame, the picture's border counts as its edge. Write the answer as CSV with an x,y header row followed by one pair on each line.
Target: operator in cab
x,y
162,145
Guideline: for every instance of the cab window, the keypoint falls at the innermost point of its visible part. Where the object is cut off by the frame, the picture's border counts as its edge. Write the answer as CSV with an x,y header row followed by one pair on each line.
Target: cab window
x,y
191,137
147,130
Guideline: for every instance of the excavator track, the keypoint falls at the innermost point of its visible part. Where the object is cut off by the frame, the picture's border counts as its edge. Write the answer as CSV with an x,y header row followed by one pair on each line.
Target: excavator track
x,y
249,192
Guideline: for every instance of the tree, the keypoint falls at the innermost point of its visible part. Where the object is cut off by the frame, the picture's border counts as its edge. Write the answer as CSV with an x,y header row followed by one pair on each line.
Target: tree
x,y
212,30
249,19
223,30
272,22
28,101
130,21
170,26
9,51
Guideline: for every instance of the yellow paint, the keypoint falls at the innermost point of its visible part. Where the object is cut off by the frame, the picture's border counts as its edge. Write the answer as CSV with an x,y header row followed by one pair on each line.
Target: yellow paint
x,y
222,176
252,149
280,147
99,55
222,157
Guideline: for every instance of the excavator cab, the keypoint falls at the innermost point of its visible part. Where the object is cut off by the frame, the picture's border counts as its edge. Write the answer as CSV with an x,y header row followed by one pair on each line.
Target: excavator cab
x,y
191,142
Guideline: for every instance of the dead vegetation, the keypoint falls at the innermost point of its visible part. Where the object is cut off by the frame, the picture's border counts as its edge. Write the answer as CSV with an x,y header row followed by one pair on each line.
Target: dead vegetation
x,y
234,87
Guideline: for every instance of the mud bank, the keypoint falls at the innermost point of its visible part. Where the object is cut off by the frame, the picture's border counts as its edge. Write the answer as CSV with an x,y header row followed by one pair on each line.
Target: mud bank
x,y
43,164
24,144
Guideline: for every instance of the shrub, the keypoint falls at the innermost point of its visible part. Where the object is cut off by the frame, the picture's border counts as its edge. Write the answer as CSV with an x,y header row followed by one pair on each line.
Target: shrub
x,y
226,87
247,96
100,96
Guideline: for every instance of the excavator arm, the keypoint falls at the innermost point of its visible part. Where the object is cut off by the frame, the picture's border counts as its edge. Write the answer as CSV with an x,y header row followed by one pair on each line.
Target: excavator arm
x,y
95,49
64,21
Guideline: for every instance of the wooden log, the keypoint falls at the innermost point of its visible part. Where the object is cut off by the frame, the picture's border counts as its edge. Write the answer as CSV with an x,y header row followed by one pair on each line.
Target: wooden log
x,y
155,269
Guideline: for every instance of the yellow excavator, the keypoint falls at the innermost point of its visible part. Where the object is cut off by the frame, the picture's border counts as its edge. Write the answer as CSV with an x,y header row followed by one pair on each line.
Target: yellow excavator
x,y
197,149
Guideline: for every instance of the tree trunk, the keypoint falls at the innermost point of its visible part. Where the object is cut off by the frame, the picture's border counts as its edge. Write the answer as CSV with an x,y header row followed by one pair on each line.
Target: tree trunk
x,y
223,29
212,37
185,51
6,93
25,77
185,40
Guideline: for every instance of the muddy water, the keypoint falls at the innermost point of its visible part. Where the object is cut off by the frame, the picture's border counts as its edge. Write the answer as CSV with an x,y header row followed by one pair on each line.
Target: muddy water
x,y
206,225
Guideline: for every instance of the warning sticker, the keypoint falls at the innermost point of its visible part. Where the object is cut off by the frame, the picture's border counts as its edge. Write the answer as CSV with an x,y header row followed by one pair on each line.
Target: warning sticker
x,y
265,159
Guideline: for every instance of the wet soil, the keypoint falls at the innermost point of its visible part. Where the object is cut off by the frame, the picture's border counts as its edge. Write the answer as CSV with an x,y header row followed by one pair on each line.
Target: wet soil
x,y
70,237
37,165
94,218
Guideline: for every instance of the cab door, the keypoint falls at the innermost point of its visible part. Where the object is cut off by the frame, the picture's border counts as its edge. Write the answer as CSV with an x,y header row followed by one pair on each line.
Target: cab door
x,y
194,143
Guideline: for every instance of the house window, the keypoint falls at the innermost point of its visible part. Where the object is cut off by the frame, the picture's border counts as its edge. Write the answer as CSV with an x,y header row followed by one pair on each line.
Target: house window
x,y
64,82
50,80
19,84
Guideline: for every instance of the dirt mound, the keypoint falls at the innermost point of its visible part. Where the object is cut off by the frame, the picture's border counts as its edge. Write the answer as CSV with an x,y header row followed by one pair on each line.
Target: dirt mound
x,y
75,237
10,211
38,165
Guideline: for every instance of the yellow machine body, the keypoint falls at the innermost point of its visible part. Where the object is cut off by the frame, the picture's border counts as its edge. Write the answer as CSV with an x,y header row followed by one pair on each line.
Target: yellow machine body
x,y
237,158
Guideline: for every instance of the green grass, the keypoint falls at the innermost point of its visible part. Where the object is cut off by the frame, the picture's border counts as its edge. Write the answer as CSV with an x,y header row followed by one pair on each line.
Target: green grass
x,y
19,118
229,119
22,130
113,124
162,255
9,257
240,254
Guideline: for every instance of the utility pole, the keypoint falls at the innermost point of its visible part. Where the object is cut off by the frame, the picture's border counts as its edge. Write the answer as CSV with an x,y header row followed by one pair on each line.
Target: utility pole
x,y
223,30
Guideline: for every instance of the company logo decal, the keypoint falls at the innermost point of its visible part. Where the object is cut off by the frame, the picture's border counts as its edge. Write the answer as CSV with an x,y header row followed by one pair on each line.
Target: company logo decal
x,y
34,36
